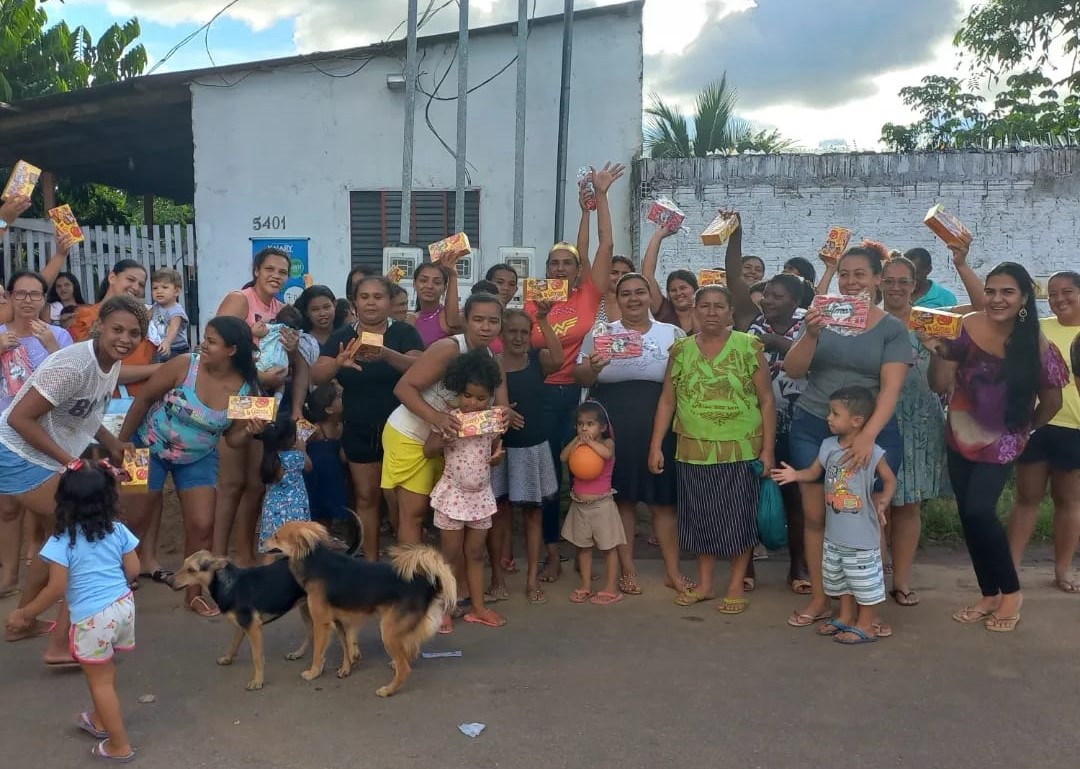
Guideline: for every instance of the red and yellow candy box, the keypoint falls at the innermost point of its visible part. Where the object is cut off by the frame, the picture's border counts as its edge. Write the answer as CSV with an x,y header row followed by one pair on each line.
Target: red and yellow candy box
x,y
474,423
137,466
547,289
395,274
719,230
619,345
66,223
666,214
588,189
366,346
945,225
836,243
712,278
24,177
304,429
843,311
451,248
938,323
252,407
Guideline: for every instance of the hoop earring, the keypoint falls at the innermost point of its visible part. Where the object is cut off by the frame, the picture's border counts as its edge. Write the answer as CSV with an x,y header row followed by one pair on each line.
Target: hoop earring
x,y
1023,314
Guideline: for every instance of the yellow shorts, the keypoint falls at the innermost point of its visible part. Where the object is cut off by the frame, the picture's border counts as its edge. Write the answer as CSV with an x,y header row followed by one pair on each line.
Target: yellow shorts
x,y
404,464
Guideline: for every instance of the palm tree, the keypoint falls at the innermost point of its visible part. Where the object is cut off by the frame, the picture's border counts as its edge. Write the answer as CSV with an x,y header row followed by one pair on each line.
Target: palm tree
x,y
716,127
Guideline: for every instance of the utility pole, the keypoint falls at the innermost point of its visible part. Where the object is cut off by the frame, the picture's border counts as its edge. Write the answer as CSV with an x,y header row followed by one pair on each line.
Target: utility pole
x,y
564,118
462,112
519,128
405,230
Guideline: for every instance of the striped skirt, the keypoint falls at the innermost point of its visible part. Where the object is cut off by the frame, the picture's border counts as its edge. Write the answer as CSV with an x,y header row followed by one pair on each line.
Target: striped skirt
x,y
717,508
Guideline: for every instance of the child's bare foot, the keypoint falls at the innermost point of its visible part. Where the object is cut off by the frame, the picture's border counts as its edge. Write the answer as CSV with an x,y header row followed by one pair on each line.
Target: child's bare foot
x,y
497,592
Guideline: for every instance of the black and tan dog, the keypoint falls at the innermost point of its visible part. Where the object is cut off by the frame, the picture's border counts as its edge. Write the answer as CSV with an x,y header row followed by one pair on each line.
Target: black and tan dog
x,y
411,593
251,598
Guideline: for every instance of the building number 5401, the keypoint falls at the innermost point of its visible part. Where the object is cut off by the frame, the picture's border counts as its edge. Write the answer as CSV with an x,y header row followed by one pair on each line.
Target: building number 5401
x,y
268,223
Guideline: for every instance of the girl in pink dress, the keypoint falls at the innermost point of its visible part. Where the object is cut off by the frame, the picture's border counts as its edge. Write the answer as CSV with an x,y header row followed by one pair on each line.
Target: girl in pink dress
x,y
462,499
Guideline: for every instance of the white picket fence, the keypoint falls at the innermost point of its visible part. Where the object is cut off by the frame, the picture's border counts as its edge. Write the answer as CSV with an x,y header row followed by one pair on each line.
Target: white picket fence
x,y
31,242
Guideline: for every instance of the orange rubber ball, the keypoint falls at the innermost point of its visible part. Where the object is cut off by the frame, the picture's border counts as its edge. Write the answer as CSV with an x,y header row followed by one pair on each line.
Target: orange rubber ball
x,y
585,463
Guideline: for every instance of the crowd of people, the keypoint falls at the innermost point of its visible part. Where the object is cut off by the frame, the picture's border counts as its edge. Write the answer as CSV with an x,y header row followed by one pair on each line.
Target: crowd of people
x,y
736,386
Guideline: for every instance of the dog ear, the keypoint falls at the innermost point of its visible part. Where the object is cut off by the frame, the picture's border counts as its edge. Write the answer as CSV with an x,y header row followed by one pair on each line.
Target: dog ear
x,y
211,562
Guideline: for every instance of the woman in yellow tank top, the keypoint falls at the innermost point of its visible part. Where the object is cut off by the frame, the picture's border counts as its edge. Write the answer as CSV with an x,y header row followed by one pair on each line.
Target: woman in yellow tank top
x,y
1053,453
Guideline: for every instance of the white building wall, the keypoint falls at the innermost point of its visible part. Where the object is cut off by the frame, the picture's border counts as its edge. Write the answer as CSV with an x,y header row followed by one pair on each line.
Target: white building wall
x,y
293,143
1020,206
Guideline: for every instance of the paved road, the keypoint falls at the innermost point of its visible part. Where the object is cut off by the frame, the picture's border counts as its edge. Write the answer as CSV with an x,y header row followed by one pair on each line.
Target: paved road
x,y
643,684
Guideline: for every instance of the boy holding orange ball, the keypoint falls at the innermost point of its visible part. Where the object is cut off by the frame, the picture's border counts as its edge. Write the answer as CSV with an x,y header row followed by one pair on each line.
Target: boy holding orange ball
x,y
593,519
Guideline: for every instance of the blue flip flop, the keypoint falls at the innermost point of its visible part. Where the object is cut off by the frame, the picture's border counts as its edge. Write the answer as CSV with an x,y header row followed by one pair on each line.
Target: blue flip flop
x,y
861,637
831,627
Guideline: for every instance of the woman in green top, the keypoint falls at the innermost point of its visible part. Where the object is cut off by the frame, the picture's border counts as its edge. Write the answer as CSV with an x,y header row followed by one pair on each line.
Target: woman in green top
x,y
718,389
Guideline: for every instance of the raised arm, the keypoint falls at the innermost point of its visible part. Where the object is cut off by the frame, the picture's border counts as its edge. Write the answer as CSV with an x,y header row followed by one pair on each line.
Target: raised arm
x,y
584,226
973,285
605,248
451,315
648,267
744,307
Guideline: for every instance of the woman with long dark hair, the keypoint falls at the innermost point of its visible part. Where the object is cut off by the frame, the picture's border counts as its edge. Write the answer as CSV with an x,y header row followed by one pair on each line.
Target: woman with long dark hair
x,y
436,319
676,305
65,293
1006,380
1053,454
180,415
320,319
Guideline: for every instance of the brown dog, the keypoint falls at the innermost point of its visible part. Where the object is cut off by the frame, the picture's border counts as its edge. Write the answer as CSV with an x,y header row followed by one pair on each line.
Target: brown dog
x,y
411,595
250,598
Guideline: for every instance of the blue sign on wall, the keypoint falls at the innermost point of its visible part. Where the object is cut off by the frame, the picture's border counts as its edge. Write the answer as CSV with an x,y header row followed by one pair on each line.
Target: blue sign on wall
x,y
297,249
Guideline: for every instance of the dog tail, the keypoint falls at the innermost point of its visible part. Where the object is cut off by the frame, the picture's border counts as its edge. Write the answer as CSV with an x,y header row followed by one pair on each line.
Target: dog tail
x,y
413,562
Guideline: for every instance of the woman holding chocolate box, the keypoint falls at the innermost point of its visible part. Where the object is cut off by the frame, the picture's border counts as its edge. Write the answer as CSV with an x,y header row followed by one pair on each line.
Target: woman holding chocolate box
x,y
1006,380
717,389
572,321
877,357
629,388
425,405
435,320
1053,453
367,384
677,308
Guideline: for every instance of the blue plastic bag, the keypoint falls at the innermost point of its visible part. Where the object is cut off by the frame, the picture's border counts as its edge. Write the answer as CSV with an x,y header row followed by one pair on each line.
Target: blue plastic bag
x,y
772,520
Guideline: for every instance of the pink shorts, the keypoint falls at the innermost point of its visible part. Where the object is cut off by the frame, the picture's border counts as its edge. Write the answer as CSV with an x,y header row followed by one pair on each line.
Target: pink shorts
x,y
446,523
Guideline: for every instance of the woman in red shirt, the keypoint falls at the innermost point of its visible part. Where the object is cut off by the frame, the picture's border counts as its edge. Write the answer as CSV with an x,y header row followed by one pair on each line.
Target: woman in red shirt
x,y
572,321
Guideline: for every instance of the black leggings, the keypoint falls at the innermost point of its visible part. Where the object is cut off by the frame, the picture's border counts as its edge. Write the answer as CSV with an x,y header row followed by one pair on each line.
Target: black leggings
x,y
978,486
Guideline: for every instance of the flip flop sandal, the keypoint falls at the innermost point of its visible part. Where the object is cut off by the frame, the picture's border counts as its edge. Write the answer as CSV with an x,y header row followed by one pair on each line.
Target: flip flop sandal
x,y
606,599
98,751
860,637
84,723
881,630
446,627
496,594
8,592
580,596
536,597
801,586
627,584
969,615
479,620
509,565
207,611
831,627
798,619
733,605
996,624
1064,585
46,629
905,597
691,597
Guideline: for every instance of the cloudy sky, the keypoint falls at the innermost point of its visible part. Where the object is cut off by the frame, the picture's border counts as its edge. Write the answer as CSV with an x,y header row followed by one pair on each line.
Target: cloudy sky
x,y
815,69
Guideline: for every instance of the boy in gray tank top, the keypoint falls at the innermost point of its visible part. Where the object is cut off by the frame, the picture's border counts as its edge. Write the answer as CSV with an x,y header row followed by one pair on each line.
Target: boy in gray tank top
x,y
854,514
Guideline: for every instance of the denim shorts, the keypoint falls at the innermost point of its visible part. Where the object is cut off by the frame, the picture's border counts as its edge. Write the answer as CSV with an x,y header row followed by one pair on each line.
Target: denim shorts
x,y
192,475
18,475
808,432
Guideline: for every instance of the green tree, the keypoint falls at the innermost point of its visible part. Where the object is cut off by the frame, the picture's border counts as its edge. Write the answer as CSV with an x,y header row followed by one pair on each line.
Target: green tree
x,y
1009,43
37,60
716,128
